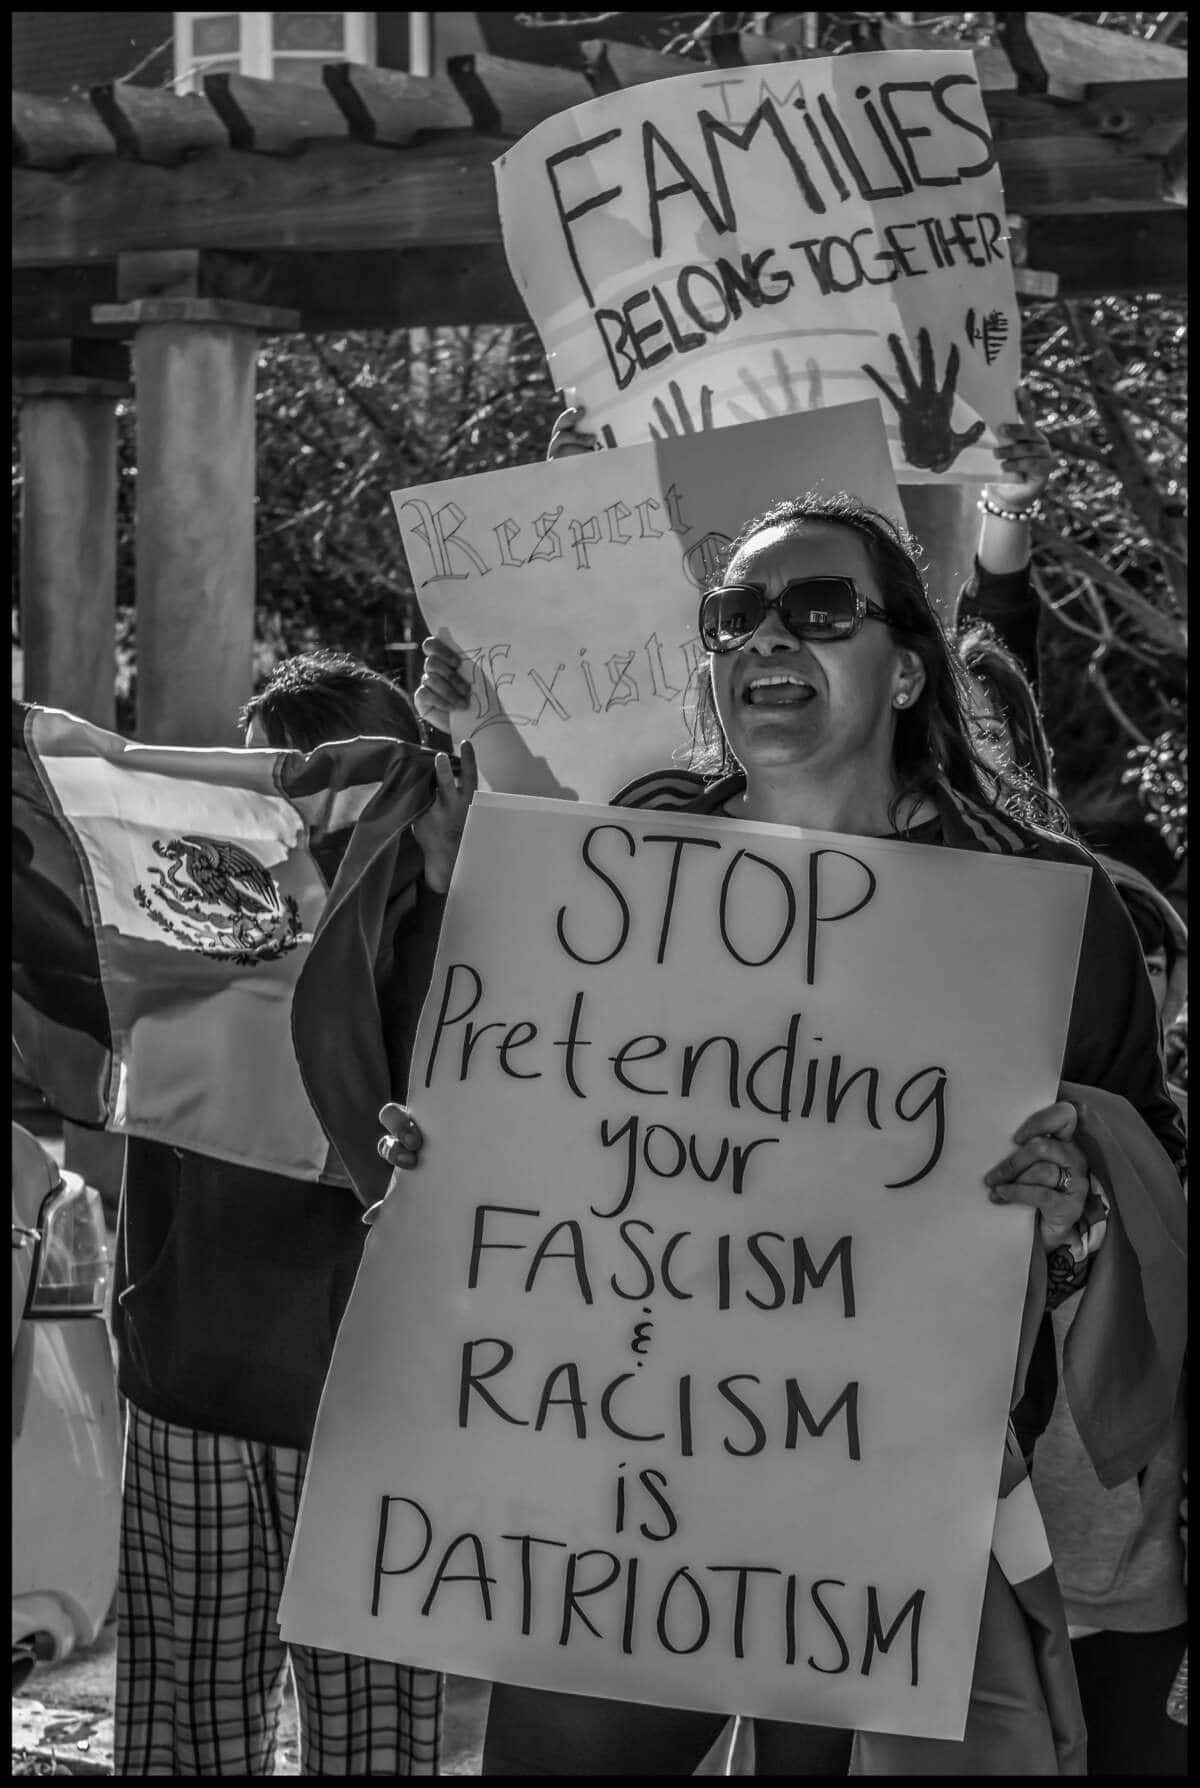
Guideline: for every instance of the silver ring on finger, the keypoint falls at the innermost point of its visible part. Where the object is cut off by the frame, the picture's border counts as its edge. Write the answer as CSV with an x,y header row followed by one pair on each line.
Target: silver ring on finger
x,y
1064,1179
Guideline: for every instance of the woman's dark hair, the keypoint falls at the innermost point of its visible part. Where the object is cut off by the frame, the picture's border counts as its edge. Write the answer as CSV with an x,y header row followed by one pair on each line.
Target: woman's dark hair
x,y
933,738
318,697
989,662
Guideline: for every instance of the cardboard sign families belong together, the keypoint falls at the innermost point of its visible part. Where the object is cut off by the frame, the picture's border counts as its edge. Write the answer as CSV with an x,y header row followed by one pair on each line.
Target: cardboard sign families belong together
x,y
572,588
738,243
679,1371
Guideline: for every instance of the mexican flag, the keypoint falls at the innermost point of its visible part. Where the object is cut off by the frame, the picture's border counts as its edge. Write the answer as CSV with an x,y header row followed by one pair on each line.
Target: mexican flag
x,y
199,937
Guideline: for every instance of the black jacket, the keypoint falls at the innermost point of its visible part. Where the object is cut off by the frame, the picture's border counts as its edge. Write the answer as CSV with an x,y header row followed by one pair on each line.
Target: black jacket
x,y
1006,601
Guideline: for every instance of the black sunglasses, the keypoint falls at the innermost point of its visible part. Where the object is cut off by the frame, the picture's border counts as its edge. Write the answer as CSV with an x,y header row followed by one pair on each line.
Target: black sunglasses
x,y
811,608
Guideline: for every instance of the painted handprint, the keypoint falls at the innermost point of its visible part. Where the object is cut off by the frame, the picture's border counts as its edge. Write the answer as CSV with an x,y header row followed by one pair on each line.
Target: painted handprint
x,y
789,396
682,423
926,435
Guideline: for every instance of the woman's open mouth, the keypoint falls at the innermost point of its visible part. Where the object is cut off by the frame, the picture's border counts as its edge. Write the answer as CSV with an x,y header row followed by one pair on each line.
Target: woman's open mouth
x,y
777,689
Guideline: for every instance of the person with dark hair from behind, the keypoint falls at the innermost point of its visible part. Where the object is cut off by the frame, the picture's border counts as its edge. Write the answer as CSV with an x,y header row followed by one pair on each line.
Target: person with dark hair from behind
x,y
1163,937
1118,1552
320,697
229,1286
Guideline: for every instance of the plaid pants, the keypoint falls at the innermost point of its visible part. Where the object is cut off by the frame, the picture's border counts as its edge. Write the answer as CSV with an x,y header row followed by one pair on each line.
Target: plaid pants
x,y
206,1529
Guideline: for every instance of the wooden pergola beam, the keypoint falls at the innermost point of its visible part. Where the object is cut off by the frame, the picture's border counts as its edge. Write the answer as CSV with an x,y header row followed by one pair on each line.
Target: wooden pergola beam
x,y
1148,253
440,193
56,133
412,288
508,98
611,65
1152,115
157,127
341,196
1072,54
505,97
415,288
275,184
273,117
388,107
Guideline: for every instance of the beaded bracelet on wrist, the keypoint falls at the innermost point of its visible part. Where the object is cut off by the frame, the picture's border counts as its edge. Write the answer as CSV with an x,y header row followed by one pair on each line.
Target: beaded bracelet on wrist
x,y
986,506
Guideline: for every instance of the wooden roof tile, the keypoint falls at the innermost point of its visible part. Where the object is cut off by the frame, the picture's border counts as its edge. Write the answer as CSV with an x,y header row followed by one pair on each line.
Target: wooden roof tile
x,y
389,107
158,126
274,117
56,133
509,98
611,65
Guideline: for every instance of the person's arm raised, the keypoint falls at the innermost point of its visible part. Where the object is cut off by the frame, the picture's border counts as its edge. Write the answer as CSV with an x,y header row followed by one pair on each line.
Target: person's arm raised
x,y
1010,501
1000,590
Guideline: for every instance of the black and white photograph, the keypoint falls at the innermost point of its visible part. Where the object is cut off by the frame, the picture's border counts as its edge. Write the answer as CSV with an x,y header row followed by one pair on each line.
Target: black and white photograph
x,y
599,888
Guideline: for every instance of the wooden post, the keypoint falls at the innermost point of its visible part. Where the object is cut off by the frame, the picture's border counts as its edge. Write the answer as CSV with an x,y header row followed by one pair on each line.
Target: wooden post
x,y
68,392
194,376
68,553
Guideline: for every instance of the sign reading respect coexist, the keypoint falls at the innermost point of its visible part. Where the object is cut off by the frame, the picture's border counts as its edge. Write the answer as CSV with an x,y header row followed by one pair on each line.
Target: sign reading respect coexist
x,y
572,589
679,1370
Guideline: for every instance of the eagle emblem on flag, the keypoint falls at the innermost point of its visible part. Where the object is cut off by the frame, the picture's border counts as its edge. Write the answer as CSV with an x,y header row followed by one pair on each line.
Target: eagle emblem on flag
x,y
217,899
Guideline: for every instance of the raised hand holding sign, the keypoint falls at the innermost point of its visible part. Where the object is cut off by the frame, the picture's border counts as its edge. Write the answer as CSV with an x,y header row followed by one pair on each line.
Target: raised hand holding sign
x,y
924,407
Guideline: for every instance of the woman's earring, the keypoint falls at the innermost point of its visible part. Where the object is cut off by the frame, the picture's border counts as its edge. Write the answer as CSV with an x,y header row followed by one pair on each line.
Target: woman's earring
x,y
901,699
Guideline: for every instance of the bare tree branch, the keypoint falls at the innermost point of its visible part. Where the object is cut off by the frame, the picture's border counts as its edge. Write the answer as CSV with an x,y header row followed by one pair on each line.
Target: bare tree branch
x,y
380,423
1159,519
1161,627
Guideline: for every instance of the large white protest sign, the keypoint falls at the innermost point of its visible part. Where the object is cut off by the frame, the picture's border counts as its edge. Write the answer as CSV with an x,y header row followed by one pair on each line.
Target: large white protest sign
x,y
741,242
572,588
678,1372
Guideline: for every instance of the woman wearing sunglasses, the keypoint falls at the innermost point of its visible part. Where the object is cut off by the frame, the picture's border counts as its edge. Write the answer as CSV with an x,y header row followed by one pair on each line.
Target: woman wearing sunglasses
x,y
833,701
